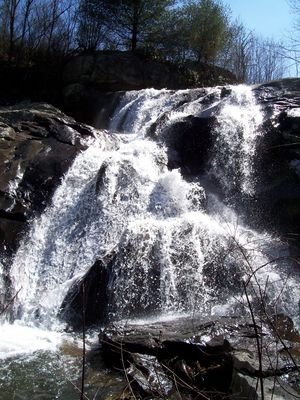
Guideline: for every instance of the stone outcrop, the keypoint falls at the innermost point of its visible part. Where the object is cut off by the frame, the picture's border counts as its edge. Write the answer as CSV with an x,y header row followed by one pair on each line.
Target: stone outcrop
x,y
214,358
37,145
91,82
278,161
115,71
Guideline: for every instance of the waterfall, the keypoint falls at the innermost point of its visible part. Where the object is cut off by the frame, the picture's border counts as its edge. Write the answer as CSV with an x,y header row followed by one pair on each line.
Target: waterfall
x,y
239,126
175,246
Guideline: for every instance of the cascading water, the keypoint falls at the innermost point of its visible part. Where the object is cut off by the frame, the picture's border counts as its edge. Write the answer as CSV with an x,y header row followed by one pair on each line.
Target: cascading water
x,y
238,128
176,247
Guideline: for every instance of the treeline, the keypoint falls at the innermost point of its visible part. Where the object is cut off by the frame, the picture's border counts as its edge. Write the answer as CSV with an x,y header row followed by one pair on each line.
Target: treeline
x,y
186,33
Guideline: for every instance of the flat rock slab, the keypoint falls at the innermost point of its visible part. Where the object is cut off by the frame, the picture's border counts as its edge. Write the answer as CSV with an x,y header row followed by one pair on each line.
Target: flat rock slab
x,y
226,355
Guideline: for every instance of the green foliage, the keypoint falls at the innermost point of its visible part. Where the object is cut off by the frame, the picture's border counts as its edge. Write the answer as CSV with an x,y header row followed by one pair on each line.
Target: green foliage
x,y
198,30
207,27
91,30
171,37
128,22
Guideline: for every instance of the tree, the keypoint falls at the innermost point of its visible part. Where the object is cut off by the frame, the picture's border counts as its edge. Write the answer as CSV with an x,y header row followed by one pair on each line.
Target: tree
x,y
27,9
31,27
292,48
168,40
10,11
266,61
238,56
208,28
93,28
52,27
295,8
254,59
130,21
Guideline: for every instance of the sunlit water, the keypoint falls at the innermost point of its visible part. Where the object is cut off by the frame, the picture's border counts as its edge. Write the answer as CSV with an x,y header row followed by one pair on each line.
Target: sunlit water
x,y
178,249
39,364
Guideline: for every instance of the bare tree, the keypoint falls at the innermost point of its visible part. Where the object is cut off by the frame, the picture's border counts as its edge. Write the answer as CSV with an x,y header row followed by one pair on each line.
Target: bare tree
x,y
10,10
236,57
254,59
26,13
91,30
52,26
291,49
30,27
266,60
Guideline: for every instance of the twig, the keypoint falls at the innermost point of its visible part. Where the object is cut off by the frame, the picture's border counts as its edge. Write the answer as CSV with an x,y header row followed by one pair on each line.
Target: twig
x,y
257,343
10,302
184,383
125,371
83,342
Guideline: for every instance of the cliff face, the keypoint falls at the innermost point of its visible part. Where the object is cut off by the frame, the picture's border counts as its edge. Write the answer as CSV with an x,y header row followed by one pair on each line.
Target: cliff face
x,y
279,156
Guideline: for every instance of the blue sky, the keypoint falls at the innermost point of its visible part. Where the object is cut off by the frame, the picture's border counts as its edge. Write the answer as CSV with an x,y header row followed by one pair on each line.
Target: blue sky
x,y
269,18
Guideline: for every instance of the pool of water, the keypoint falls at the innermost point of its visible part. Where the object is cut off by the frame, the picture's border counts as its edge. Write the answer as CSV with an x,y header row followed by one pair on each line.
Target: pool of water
x,y
54,372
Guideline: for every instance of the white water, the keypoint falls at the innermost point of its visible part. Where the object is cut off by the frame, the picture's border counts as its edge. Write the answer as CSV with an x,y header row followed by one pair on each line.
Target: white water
x,y
138,110
238,129
177,248
19,339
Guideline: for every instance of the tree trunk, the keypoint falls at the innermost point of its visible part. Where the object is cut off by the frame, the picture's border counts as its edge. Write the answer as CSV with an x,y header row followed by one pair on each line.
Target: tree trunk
x,y
12,20
135,25
134,38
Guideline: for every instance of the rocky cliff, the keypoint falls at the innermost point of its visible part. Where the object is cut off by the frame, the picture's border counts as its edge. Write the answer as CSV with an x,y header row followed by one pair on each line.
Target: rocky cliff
x,y
278,157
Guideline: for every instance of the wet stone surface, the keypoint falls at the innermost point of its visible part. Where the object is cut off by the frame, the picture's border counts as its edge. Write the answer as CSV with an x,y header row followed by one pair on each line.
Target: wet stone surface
x,y
212,356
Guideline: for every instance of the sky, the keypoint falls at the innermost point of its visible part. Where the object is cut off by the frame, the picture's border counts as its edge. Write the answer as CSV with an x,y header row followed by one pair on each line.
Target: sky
x,y
269,18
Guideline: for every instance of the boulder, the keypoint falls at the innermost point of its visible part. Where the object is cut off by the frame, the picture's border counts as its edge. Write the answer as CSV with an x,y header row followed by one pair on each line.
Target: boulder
x,y
37,145
87,299
188,142
90,105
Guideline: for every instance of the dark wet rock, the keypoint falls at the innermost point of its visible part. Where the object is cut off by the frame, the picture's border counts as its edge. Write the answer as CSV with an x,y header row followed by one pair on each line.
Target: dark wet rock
x,y
149,375
282,93
189,140
217,356
88,104
278,160
190,144
87,299
37,145
245,387
114,71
